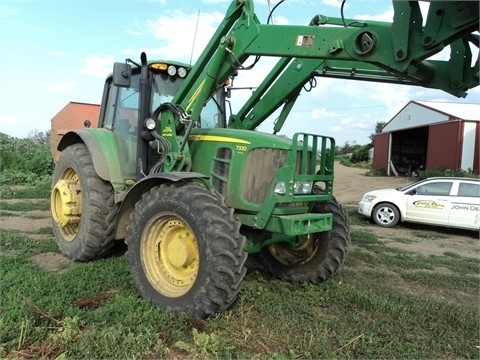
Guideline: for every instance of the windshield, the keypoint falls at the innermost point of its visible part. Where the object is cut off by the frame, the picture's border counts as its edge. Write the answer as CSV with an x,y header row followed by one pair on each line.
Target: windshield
x,y
164,88
406,187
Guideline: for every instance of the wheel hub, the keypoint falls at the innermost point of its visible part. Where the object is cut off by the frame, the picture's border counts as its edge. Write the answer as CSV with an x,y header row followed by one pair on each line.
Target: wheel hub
x,y
385,216
294,256
178,252
66,202
170,255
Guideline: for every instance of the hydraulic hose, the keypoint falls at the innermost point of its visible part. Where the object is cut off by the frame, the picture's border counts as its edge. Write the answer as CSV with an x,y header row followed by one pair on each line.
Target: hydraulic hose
x,y
143,113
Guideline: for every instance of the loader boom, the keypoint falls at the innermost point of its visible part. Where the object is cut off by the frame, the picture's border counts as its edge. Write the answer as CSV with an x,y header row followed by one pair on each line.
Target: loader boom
x,y
399,52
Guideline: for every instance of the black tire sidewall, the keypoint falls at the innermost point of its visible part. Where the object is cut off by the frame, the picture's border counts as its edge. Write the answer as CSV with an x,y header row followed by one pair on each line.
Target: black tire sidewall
x,y
329,257
206,296
135,248
94,238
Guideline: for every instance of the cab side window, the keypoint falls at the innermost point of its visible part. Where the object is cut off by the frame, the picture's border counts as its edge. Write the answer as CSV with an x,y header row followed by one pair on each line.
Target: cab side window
x,y
121,108
469,190
435,188
111,100
126,112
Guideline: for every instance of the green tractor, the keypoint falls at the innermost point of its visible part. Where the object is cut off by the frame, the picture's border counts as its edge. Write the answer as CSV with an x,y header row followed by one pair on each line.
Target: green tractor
x,y
195,190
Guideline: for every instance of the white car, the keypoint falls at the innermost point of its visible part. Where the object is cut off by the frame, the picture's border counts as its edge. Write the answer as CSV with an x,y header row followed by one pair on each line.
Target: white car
x,y
445,201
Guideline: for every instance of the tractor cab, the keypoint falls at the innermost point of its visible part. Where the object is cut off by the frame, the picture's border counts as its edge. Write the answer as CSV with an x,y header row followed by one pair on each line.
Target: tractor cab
x,y
121,103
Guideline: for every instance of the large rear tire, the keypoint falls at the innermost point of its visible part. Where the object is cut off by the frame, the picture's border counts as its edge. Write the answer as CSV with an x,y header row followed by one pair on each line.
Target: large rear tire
x,y
319,257
83,207
185,250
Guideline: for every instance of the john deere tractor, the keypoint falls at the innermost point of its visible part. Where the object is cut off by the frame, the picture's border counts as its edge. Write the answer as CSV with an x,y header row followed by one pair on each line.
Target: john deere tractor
x,y
194,190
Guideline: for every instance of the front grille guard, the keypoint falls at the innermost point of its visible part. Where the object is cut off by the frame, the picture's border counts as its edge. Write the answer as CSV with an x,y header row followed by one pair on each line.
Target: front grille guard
x,y
300,167
319,171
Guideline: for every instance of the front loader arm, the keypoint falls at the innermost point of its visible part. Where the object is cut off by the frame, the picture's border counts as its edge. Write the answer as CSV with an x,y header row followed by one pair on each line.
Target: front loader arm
x,y
397,52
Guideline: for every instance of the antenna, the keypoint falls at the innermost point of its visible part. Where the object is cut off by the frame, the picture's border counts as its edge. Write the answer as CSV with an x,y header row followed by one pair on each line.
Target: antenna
x,y
194,37
270,9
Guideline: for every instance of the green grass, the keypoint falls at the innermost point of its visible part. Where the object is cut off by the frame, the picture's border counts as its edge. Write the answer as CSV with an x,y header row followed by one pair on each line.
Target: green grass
x,y
40,189
384,303
4,214
354,218
429,234
26,205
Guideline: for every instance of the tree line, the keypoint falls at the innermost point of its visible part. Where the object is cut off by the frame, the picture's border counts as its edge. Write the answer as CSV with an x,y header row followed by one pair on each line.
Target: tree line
x,y
359,153
25,161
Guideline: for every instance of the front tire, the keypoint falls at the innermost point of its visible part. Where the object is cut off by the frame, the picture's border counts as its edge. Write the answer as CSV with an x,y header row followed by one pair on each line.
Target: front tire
x,y
319,257
83,207
185,250
386,215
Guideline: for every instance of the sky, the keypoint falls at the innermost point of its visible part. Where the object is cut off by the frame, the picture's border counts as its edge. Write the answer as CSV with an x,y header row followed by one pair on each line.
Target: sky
x,y
56,51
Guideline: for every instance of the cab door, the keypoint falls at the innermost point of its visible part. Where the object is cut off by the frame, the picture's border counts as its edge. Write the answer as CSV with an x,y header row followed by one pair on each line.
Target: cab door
x,y
120,115
465,206
429,203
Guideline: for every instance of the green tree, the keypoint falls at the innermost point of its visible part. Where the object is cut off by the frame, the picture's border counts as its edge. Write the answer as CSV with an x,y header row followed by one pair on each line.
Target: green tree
x,y
361,154
347,148
40,137
378,128
24,160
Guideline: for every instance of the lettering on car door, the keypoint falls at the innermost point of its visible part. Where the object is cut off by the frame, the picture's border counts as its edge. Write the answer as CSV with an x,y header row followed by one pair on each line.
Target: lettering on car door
x,y
430,203
465,207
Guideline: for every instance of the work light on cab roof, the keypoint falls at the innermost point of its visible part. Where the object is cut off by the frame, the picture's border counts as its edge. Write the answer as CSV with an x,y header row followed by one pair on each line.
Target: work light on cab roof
x,y
171,70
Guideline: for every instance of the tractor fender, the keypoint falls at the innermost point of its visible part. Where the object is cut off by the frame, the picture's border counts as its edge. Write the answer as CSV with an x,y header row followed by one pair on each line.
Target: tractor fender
x,y
102,146
144,185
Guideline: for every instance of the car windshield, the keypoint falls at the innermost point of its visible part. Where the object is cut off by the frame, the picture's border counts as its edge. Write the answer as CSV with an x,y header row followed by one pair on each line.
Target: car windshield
x,y
406,187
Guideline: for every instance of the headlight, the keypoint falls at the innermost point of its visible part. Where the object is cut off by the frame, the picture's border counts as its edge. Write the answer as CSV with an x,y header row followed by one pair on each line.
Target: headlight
x,y
302,187
182,72
368,198
172,70
150,124
280,188
299,188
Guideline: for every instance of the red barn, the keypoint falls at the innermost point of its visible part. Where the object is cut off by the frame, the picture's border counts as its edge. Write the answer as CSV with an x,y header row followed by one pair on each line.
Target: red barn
x,y
428,135
71,117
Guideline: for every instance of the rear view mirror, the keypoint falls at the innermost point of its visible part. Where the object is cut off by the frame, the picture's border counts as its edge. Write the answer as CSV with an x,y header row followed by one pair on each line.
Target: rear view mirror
x,y
122,74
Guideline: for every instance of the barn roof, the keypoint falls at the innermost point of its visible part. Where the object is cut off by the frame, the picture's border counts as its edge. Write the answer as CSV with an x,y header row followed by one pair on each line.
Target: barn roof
x,y
458,110
424,113
76,112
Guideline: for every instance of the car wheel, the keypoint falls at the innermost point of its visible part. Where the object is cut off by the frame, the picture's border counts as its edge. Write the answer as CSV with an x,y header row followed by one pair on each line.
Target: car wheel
x,y
386,215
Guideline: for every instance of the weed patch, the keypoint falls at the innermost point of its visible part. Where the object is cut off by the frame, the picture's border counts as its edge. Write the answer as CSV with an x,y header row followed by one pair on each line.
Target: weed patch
x,y
384,303
354,218
27,205
15,242
427,234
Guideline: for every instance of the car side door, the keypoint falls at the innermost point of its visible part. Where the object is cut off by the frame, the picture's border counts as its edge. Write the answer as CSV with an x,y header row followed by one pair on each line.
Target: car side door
x,y
429,203
465,206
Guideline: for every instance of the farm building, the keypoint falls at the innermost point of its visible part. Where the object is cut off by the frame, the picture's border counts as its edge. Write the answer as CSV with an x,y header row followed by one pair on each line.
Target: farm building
x,y
71,117
429,135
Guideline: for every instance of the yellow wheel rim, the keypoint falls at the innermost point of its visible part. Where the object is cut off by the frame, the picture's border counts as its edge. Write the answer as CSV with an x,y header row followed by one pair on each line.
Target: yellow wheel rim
x,y
169,254
66,204
295,256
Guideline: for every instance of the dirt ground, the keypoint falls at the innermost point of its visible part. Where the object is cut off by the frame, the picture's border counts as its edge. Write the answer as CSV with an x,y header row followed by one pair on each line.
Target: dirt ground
x,y
349,186
351,183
